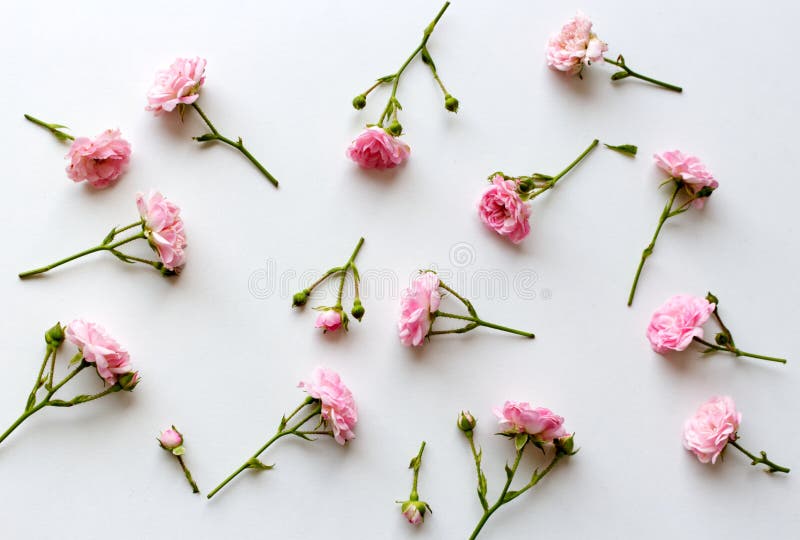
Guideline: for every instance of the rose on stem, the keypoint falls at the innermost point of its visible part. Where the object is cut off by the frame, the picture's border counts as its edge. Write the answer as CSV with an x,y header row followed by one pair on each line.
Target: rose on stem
x,y
413,509
172,440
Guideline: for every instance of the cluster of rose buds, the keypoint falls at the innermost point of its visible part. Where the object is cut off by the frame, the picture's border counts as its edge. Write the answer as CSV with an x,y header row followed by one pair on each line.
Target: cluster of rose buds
x,y
419,308
95,348
575,46
171,440
505,205
331,318
378,146
689,177
160,224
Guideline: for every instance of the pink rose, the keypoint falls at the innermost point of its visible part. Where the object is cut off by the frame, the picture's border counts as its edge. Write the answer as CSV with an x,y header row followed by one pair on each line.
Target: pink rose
x,y
170,439
714,424
98,348
100,161
413,511
376,149
178,85
690,170
164,228
338,408
673,325
574,46
330,320
520,417
503,211
416,305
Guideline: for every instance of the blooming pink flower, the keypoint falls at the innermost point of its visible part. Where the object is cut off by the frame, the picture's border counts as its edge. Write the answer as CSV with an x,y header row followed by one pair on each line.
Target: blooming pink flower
x,y
714,424
177,85
100,161
520,417
376,149
503,211
164,228
574,46
170,438
416,305
338,406
690,170
673,325
98,348
330,320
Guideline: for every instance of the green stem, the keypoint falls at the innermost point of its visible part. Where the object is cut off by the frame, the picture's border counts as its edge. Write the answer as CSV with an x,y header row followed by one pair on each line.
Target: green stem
x,y
632,73
649,249
32,396
188,474
53,128
481,322
552,182
347,266
477,458
101,247
738,352
463,300
216,136
417,462
773,467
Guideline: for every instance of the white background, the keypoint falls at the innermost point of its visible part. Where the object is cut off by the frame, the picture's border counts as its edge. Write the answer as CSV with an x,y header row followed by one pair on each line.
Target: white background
x,y
220,355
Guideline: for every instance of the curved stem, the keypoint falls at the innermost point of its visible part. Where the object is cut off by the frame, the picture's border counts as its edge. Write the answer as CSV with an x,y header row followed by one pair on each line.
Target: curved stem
x,y
481,322
188,475
463,300
631,73
346,267
108,247
738,352
52,128
500,500
552,182
773,467
216,136
649,249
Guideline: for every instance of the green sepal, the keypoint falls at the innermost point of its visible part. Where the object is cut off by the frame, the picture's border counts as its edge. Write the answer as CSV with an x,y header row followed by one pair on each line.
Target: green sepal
x,y
627,149
255,463
109,237
178,450
520,441
386,78
619,75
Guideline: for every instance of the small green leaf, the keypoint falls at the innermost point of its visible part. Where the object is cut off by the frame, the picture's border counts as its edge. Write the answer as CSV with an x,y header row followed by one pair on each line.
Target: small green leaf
x,y
205,137
620,75
255,463
178,450
510,495
520,441
109,237
628,149
386,78
509,471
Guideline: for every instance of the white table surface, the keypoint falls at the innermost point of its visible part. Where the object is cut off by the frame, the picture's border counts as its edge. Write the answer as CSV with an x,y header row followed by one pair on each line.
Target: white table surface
x,y
220,350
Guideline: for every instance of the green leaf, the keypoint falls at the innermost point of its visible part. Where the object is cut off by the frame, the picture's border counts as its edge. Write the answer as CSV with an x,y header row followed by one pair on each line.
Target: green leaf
x,y
620,75
520,441
206,137
509,471
386,78
283,423
628,149
510,495
255,463
109,237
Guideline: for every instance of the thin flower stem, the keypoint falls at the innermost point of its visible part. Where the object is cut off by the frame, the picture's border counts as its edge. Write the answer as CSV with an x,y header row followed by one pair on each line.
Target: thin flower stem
x,y
738,352
649,249
188,474
417,463
38,384
50,127
127,227
155,264
346,267
216,136
324,277
632,73
773,467
101,247
463,300
552,182
481,322
478,472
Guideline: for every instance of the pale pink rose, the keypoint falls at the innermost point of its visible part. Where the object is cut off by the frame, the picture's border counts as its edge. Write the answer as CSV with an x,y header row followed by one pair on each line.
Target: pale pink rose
x,y
416,305
376,149
520,417
413,511
690,170
673,325
711,428
338,407
170,438
574,46
164,228
503,211
330,320
98,348
100,161
179,84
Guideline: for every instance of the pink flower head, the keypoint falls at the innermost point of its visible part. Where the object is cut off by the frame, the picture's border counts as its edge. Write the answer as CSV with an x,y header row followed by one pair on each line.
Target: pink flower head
x,y
376,149
416,305
329,320
163,227
503,211
690,170
673,325
574,46
170,438
100,161
414,511
98,348
177,85
714,424
338,408
520,417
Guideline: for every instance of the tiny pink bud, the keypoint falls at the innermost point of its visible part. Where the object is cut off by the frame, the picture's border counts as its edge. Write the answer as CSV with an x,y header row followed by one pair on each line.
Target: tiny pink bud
x,y
170,439
329,320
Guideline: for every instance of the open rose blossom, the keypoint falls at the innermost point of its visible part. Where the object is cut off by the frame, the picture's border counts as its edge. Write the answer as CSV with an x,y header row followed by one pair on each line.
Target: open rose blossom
x,y
338,407
376,149
177,85
711,428
503,211
690,170
330,320
519,417
98,161
416,305
164,228
574,46
98,348
675,324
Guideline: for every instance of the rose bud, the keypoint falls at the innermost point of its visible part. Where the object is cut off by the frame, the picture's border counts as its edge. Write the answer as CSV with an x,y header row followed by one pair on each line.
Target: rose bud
x,y
358,310
55,336
129,381
330,320
359,102
395,128
451,103
414,511
172,440
466,422
300,298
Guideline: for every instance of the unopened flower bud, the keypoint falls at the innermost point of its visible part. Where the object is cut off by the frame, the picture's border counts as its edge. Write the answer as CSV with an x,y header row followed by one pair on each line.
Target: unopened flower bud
x,y
712,299
722,339
54,336
466,422
129,381
450,103
566,444
414,511
395,128
300,298
359,102
358,310
170,439
331,319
